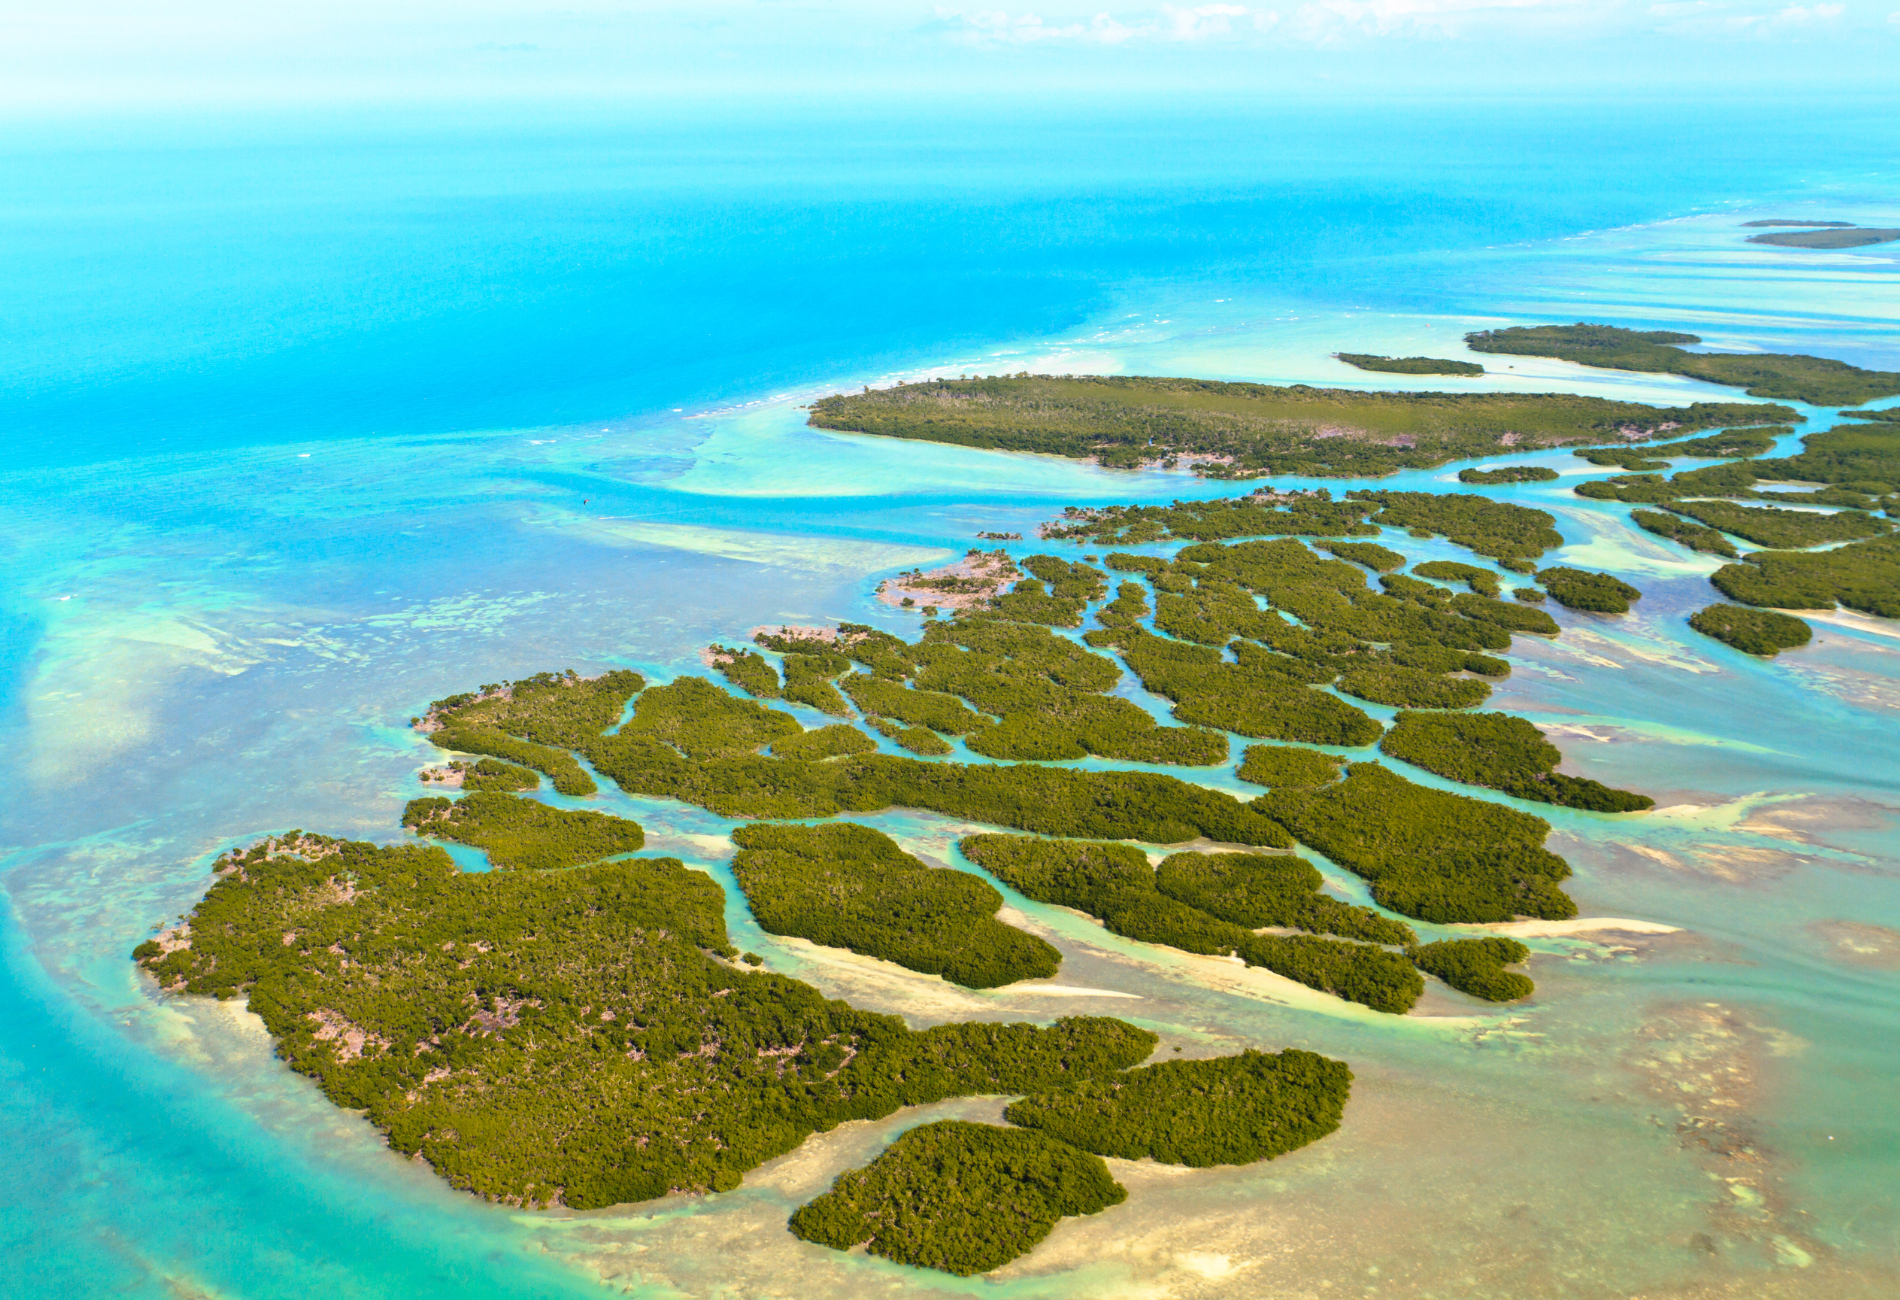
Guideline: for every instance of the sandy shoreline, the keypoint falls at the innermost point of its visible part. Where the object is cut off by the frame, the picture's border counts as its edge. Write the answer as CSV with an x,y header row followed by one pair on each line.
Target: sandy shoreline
x,y
1579,925
1849,619
972,581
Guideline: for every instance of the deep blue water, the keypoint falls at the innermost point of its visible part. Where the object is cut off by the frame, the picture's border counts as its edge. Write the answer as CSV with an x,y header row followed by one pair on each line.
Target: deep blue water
x,y
300,414
204,283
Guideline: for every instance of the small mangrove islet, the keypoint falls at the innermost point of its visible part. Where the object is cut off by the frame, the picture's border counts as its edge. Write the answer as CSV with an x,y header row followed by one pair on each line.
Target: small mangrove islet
x,y
1763,632
1509,474
1476,966
1697,537
1410,365
1505,753
849,886
1228,1110
959,1197
1581,589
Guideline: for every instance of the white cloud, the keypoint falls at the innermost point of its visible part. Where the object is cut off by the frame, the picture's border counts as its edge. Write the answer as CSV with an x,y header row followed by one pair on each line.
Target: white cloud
x,y
1795,20
1798,15
1174,23
1320,21
1326,18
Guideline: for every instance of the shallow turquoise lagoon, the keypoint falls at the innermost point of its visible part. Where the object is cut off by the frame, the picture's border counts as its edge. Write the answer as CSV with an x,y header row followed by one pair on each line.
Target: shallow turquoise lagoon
x,y
310,423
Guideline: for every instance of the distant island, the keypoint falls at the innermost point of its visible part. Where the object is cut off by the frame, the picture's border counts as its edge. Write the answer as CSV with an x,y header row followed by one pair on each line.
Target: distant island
x,y
1788,376
1778,221
1239,430
1838,235
1409,365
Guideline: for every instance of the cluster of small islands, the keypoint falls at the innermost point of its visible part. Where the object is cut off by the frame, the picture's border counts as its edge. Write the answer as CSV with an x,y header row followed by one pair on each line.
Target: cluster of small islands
x,y
574,1027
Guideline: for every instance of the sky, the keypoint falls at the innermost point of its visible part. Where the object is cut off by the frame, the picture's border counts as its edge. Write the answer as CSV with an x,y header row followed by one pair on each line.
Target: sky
x,y
60,56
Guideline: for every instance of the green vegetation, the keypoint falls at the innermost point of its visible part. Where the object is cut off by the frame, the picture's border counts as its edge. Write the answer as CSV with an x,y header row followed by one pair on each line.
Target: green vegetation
x,y
1783,529
1582,589
835,741
1510,474
1730,442
1862,575
1067,580
578,1029
879,698
1429,854
1287,765
543,1036
749,670
694,718
1828,496
1509,616
1502,752
1393,646
1630,458
1890,415
1411,688
1052,801
533,722
1232,1110
851,887
1264,514
1256,890
808,681
1792,376
1648,488
806,641
1029,601
1856,237
1495,528
918,740
1733,478
1115,884
1694,536
488,774
1378,558
1409,365
1856,466
1128,608
1255,697
524,834
1850,455
1482,581
960,1197
1251,429
1476,966
1756,631
1047,691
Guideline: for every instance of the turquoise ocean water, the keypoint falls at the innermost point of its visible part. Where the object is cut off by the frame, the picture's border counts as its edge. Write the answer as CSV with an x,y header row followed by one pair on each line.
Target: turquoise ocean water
x,y
310,420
